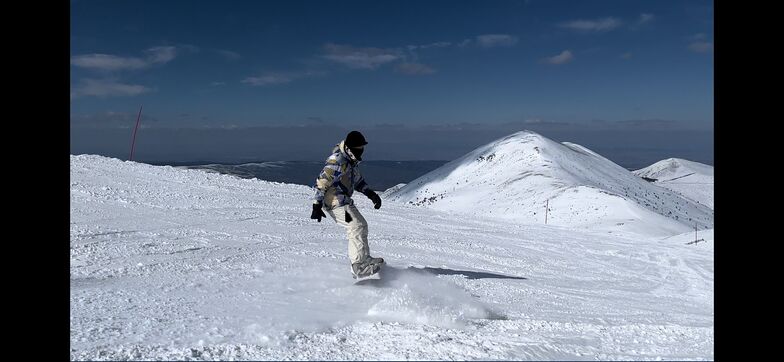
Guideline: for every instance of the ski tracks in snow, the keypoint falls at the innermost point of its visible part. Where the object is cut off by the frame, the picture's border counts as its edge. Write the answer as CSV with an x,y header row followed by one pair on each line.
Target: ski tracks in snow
x,y
183,264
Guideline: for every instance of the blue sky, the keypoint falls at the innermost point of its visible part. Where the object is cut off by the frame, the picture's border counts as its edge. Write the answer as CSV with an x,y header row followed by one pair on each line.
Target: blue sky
x,y
240,64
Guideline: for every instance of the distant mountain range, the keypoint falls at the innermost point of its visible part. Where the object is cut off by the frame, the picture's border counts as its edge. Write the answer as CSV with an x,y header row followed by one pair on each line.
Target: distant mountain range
x,y
380,175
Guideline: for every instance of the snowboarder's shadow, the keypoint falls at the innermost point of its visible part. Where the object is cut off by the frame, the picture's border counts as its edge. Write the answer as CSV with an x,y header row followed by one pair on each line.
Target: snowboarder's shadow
x,y
466,273
391,273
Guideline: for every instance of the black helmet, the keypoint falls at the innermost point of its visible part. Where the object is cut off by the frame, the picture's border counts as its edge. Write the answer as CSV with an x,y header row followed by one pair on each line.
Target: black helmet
x,y
355,144
355,139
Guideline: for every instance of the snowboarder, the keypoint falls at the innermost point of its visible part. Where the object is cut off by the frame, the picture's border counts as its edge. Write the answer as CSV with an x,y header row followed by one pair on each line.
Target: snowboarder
x,y
334,187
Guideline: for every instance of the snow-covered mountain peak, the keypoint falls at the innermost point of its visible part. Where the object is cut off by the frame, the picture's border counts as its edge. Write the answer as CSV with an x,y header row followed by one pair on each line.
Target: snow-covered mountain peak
x,y
692,180
516,176
672,168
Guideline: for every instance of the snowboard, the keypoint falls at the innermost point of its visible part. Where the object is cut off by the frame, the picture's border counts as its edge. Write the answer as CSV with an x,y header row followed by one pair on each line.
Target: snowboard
x,y
374,276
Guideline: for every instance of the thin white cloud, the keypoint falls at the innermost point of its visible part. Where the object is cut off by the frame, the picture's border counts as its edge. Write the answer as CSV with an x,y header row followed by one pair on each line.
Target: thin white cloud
x,y
108,62
701,46
161,55
269,79
699,43
414,69
645,18
228,54
187,47
360,58
216,84
495,40
597,25
107,88
440,44
626,56
698,37
276,78
566,56
489,41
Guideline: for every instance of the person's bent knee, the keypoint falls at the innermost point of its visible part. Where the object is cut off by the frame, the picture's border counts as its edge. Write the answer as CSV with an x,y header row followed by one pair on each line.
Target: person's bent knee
x,y
358,228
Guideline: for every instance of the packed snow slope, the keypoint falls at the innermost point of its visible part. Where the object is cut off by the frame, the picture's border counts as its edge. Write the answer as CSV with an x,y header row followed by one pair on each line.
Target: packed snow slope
x,y
517,176
692,180
184,264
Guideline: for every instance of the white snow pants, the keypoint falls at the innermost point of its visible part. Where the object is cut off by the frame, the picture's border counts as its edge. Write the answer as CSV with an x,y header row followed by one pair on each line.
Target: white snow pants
x,y
357,231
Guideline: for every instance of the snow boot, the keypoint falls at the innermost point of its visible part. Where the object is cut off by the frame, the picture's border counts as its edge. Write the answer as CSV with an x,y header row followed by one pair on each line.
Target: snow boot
x,y
364,269
375,261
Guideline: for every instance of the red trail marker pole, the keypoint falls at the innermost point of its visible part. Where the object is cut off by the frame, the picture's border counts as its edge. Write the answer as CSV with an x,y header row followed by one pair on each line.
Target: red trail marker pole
x,y
133,142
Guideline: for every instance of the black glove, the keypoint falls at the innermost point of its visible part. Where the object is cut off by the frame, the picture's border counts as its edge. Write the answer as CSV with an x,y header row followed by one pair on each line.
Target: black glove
x,y
373,197
317,212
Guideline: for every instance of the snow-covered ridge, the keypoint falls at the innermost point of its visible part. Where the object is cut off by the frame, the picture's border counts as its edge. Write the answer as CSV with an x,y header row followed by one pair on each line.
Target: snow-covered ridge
x,y
391,190
516,176
674,168
692,180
